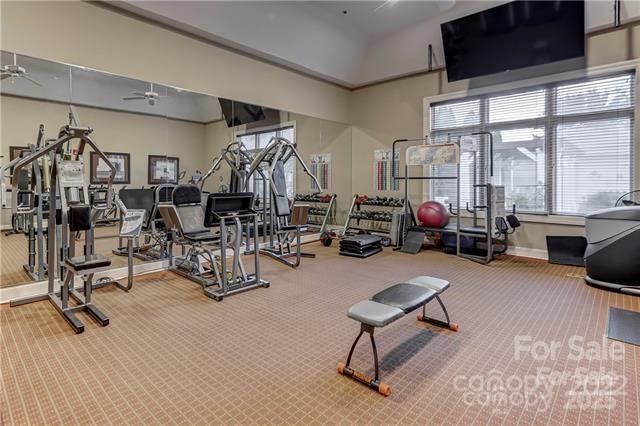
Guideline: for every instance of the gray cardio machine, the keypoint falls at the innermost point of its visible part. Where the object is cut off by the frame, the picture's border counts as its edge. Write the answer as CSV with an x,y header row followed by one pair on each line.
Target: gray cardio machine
x,y
612,257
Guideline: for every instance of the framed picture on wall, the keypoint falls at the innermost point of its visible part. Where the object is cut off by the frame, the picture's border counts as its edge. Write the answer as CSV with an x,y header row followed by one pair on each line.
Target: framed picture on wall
x,y
100,171
163,169
15,151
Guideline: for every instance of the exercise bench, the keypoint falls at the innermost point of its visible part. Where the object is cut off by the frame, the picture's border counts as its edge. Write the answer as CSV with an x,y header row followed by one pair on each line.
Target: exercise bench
x,y
387,306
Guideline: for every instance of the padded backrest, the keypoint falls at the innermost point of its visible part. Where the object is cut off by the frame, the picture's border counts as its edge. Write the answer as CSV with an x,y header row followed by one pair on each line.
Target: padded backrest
x,y
139,199
79,217
513,221
188,202
164,193
191,218
186,194
23,180
281,202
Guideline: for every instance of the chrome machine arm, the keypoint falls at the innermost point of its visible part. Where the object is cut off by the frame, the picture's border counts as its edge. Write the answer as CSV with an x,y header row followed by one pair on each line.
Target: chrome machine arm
x,y
280,148
67,133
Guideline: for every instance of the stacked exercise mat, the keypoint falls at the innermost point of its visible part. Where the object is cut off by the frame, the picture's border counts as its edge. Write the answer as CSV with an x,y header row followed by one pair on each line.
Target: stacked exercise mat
x,y
360,245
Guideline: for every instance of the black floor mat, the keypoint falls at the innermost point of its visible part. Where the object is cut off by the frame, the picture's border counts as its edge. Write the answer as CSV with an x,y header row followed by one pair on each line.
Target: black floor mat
x,y
413,242
566,250
624,326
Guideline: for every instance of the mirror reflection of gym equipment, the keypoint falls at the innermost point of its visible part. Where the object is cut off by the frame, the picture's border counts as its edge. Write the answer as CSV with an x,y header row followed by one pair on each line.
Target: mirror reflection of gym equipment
x,y
319,212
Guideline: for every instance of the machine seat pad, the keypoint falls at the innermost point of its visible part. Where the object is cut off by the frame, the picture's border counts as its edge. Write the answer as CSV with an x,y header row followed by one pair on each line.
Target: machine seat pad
x,y
374,314
202,236
436,284
288,228
406,297
82,263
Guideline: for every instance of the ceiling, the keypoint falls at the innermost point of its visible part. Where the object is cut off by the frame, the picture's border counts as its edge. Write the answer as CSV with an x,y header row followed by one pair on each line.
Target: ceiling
x,y
86,87
372,41
374,19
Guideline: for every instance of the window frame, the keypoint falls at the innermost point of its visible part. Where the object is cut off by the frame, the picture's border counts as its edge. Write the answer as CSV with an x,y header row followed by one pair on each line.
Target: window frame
x,y
549,121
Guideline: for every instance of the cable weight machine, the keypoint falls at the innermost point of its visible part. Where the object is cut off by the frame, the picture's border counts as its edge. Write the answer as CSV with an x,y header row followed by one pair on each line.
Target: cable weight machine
x,y
490,228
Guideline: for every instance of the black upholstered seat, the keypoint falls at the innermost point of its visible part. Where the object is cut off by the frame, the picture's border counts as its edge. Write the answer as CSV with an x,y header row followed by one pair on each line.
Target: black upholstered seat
x,y
406,297
82,263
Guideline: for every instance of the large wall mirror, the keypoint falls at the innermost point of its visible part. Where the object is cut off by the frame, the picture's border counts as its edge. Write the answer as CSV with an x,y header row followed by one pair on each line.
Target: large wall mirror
x,y
156,137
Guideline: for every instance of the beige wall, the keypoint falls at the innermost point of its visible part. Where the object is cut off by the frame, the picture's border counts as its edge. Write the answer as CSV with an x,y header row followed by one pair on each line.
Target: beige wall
x,y
217,137
316,136
382,114
139,135
388,111
82,33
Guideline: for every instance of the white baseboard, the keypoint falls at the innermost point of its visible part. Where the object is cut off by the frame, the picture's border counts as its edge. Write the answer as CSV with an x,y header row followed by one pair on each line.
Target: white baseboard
x,y
38,288
528,252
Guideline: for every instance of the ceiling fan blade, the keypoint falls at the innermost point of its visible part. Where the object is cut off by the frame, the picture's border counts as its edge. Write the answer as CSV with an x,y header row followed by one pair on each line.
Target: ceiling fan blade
x,y
4,75
37,83
131,98
139,94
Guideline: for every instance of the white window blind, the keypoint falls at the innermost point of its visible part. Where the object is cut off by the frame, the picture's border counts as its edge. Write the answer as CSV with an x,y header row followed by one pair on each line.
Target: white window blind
x,y
593,128
563,148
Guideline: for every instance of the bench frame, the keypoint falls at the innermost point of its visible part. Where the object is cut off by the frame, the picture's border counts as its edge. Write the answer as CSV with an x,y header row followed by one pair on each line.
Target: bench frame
x,y
374,382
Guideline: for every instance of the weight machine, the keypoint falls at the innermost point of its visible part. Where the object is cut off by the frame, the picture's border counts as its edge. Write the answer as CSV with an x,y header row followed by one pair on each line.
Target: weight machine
x,y
70,212
191,228
262,172
30,190
490,226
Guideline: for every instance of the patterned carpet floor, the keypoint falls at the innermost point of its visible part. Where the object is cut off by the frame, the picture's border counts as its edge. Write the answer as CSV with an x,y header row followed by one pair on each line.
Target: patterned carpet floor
x,y
173,356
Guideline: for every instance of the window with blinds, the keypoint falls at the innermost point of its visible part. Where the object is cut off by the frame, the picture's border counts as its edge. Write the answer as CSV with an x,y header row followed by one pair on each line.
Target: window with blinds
x,y
564,148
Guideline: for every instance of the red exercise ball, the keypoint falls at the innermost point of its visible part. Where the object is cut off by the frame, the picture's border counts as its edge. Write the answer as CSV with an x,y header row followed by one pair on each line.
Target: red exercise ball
x,y
433,214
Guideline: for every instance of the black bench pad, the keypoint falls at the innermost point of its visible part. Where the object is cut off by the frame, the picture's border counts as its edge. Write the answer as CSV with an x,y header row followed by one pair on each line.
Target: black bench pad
x,y
406,297
82,263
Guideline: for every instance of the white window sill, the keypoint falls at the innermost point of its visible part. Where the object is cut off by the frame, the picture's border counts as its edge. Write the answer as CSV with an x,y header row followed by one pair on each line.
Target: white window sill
x,y
552,219
540,218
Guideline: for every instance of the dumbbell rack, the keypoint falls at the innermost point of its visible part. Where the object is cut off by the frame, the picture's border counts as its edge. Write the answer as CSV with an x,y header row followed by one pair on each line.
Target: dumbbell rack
x,y
323,208
379,221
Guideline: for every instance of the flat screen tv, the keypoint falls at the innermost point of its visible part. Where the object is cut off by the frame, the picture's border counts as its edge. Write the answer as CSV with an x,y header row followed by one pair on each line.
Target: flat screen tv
x,y
512,36
237,113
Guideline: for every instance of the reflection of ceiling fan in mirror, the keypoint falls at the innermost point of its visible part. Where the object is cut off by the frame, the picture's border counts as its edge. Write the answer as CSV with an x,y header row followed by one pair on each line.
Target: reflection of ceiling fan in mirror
x,y
14,71
151,97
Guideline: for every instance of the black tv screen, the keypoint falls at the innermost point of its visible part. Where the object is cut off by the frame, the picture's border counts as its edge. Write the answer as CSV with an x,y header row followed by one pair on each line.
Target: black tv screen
x,y
512,36
237,113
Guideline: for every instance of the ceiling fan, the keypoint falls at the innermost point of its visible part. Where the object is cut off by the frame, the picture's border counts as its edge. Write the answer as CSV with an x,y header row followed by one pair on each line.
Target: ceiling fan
x,y
151,97
15,71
